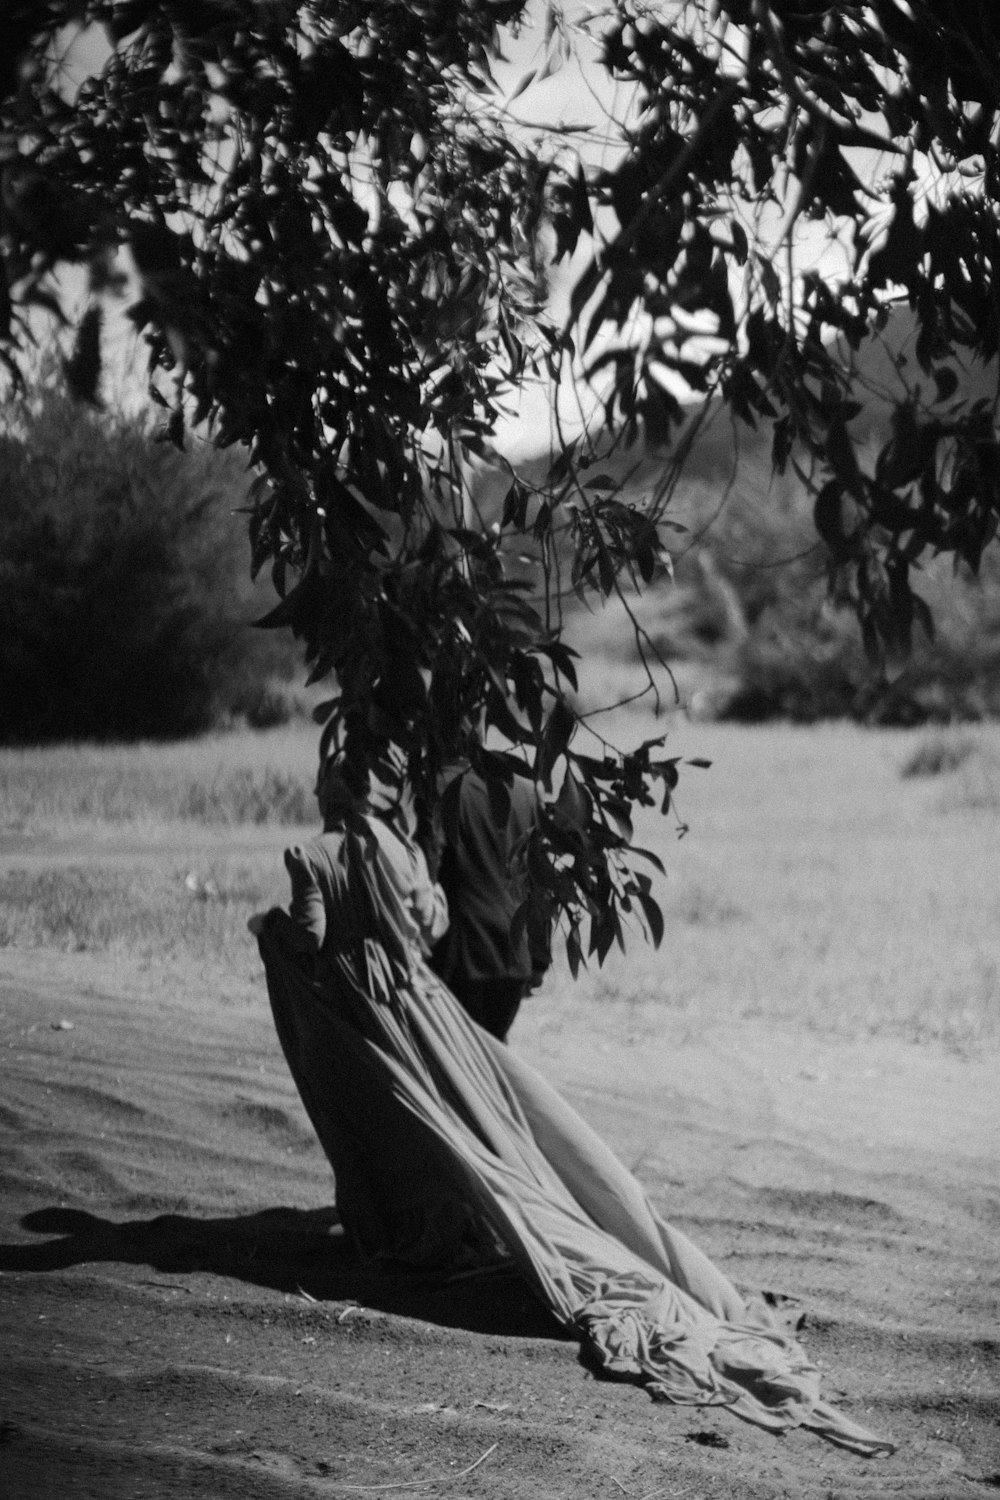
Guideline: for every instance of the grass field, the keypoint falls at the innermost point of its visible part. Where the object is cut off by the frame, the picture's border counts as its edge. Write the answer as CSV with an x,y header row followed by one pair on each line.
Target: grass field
x,y
226,779
803,1079
838,878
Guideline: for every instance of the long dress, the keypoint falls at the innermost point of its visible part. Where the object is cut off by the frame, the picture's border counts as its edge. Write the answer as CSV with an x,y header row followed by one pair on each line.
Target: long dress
x,y
448,1149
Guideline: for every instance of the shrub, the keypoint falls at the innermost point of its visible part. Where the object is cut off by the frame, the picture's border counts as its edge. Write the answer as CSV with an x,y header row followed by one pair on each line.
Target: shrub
x,y
749,602
125,599
804,661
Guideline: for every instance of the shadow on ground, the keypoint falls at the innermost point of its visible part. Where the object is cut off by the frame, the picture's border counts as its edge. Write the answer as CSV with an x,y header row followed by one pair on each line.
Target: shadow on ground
x,y
288,1250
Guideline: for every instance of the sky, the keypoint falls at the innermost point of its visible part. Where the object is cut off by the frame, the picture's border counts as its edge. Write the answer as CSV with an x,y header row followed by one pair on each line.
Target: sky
x,y
549,87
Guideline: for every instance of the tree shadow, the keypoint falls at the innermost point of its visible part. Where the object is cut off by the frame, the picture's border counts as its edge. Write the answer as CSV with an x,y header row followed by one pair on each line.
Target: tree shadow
x,y
288,1250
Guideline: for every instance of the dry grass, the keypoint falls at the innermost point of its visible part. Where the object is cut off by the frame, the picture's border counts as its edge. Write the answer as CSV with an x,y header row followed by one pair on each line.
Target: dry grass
x,y
222,780
153,856
820,884
153,912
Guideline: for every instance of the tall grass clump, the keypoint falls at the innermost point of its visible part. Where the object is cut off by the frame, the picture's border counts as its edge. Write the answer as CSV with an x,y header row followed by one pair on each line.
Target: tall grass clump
x,y
125,597
969,766
939,754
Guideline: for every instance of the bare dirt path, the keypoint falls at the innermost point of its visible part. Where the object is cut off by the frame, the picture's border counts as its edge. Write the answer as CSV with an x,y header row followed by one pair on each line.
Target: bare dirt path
x,y
180,1316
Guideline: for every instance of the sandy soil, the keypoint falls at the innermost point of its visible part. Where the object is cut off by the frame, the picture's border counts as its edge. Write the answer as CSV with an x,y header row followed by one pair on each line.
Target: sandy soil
x,y
181,1316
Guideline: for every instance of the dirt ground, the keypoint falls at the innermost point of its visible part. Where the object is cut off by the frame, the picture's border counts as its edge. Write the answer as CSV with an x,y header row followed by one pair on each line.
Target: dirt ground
x,y
181,1317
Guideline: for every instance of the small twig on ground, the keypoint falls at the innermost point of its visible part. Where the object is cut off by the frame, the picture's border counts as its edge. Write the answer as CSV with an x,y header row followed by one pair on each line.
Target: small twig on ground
x,y
348,1311
418,1484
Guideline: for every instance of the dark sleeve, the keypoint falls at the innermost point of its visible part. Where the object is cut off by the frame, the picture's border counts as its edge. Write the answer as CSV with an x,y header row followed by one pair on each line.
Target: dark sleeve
x,y
539,949
525,816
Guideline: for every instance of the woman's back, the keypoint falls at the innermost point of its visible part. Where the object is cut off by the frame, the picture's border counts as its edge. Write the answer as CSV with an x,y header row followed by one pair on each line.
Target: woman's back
x,y
363,882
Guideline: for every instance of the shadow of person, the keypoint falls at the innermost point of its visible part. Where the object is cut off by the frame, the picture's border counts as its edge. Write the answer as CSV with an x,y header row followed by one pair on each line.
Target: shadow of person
x,y
288,1250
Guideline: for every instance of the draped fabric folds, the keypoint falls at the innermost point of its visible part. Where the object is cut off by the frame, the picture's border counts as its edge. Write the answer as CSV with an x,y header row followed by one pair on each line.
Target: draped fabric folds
x,y
450,1151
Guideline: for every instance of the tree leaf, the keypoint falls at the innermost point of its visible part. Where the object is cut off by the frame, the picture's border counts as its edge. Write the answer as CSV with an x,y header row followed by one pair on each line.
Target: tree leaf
x,y
653,915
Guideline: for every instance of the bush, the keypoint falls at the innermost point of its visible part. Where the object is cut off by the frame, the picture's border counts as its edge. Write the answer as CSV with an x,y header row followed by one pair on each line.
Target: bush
x,y
804,661
749,604
125,599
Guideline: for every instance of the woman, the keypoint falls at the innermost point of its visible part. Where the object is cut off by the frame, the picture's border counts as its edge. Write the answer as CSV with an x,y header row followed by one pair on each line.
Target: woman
x,y
450,1151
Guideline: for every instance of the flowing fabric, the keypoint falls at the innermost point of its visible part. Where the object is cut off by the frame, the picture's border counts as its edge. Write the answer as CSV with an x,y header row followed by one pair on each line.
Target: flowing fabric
x,y
450,1151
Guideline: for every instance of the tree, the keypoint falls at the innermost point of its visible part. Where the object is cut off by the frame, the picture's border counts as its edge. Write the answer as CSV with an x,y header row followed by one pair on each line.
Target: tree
x,y
342,249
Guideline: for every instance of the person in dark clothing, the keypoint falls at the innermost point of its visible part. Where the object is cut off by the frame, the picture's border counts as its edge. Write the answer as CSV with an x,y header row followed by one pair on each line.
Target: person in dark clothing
x,y
488,969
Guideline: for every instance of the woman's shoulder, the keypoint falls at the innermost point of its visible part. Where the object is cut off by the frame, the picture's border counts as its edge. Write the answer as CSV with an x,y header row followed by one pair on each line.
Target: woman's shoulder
x,y
315,854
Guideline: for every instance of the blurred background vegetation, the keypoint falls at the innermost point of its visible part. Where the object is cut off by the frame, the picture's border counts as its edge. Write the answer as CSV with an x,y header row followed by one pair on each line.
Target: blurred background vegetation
x,y
750,629
748,624
125,596
126,605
